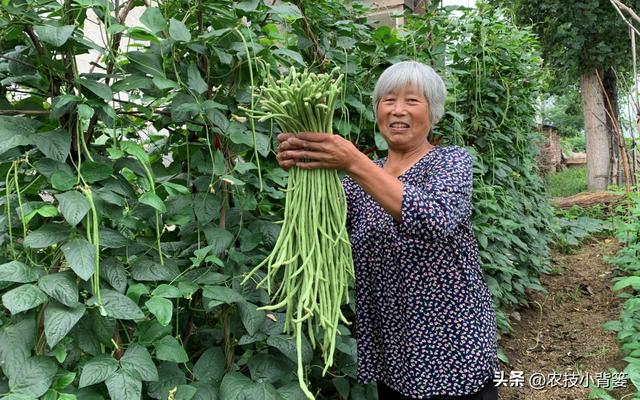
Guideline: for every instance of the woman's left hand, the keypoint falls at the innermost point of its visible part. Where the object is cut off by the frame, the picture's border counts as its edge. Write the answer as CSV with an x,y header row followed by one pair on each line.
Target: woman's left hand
x,y
319,150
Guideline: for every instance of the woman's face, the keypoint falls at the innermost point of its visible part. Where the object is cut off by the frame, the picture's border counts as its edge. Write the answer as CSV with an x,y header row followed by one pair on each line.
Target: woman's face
x,y
403,118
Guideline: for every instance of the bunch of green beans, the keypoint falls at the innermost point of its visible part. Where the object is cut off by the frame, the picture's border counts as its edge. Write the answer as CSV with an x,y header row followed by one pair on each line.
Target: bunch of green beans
x,y
311,260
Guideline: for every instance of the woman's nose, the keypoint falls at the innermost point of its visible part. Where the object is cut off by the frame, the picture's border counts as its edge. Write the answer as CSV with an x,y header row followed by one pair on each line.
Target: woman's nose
x,y
399,109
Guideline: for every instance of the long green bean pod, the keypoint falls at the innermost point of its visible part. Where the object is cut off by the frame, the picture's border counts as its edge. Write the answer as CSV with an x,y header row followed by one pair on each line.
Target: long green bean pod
x,y
311,263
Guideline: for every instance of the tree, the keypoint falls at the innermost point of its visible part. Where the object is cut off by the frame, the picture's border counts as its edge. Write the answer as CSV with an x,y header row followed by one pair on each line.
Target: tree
x,y
585,39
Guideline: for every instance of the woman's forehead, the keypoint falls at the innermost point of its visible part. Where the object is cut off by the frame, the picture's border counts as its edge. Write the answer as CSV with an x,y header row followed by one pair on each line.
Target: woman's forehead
x,y
409,88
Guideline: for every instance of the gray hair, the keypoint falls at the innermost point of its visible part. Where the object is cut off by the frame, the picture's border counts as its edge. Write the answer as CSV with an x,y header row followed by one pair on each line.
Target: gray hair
x,y
406,73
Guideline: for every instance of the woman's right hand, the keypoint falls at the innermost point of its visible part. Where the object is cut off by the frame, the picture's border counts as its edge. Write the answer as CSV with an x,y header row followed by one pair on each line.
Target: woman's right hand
x,y
281,154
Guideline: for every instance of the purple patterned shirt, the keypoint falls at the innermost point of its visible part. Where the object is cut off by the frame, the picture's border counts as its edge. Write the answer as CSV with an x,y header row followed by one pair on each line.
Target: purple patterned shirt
x,y
425,323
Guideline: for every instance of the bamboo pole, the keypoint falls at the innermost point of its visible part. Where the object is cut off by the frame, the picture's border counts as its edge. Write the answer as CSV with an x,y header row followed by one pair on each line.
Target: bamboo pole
x,y
621,144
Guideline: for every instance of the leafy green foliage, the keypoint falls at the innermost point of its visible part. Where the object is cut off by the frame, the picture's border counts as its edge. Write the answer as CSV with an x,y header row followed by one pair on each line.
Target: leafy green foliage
x,y
492,67
627,327
127,225
577,37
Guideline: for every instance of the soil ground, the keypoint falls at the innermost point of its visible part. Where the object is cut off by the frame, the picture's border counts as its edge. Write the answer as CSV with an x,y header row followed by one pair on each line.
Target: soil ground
x,y
561,331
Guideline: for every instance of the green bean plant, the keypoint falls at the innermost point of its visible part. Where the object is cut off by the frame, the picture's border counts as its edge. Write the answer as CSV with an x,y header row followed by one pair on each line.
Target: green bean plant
x,y
626,284
492,68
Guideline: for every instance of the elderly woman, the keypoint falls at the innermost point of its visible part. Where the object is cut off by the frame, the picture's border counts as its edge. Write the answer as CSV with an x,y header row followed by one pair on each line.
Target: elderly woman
x,y
425,323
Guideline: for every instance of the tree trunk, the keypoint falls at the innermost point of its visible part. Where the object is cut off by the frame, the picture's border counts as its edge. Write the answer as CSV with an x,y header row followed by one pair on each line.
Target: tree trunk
x,y
595,128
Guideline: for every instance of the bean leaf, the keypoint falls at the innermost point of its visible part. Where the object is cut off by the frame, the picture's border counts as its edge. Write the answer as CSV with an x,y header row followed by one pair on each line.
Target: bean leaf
x,y
97,370
61,286
178,31
54,35
123,386
73,205
23,298
162,309
58,321
16,271
138,363
169,349
81,256
118,305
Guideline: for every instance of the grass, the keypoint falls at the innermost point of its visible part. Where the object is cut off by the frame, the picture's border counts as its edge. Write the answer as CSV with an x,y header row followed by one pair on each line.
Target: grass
x,y
568,182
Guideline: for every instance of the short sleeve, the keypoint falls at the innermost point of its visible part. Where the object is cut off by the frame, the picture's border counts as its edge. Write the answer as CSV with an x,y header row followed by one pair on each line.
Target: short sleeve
x,y
434,209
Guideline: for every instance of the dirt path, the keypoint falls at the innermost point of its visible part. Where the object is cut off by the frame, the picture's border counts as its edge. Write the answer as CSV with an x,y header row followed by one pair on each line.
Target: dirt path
x,y
561,332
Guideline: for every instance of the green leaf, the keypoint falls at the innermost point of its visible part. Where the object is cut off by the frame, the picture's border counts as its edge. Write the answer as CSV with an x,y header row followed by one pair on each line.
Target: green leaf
x,y
61,286
178,31
292,391
15,271
23,298
251,317
97,370
287,345
62,380
152,199
196,83
244,167
268,367
54,35
286,10
150,330
247,5
185,392
81,256
148,63
262,390
94,172
136,291
233,385
149,270
167,291
85,112
54,144
15,131
123,386
34,376
290,55
63,104
16,342
111,239
132,82
210,367
633,281
223,294
99,89
612,326
162,309
169,349
137,362
46,235
118,305
152,18
219,238
62,180
135,150
114,272
164,83
58,321
170,377
73,206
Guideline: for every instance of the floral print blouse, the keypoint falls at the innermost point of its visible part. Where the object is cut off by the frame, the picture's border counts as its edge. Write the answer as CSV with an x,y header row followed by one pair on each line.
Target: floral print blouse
x,y
425,323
